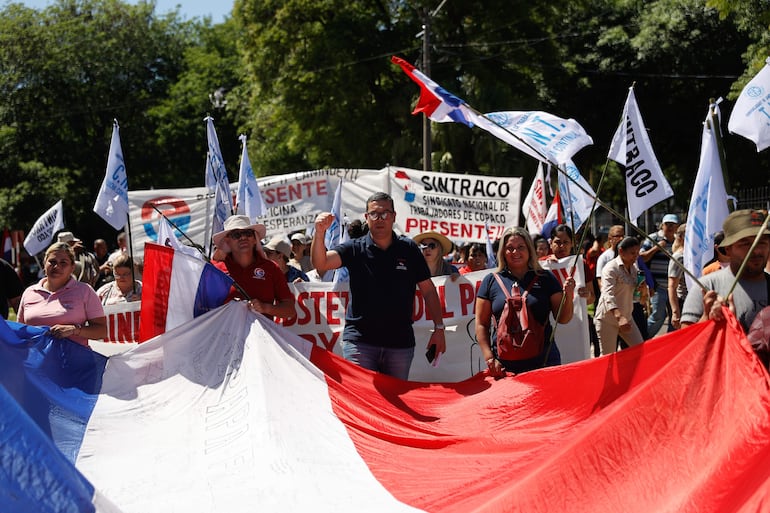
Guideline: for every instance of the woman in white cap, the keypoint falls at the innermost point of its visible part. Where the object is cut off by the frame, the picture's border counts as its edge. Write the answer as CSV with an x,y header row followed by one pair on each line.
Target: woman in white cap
x,y
246,263
278,250
434,247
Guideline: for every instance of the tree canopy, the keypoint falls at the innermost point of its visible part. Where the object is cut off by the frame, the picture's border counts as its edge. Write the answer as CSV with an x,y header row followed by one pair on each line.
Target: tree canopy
x,y
311,84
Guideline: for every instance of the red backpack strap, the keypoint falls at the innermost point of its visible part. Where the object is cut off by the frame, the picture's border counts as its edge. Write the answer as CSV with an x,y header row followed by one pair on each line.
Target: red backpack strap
x,y
502,285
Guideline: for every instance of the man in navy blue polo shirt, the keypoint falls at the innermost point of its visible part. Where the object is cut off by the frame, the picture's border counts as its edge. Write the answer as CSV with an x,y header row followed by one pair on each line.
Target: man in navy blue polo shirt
x,y
384,270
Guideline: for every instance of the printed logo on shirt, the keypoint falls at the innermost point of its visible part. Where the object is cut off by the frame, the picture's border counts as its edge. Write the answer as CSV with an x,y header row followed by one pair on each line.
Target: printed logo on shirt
x,y
401,264
259,273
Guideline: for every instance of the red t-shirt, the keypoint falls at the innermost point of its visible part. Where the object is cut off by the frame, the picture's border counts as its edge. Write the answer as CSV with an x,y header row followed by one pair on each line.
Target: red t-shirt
x,y
261,280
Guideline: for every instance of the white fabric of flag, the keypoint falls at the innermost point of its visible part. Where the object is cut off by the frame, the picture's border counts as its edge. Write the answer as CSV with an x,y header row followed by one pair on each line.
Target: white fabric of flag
x,y
708,203
534,207
645,183
555,139
248,199
577,196
216,177
751,113
41,234
167,237
112,200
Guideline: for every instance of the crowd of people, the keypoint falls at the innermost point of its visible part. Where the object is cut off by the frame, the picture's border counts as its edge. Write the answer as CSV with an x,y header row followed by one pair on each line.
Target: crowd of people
x,y
635,287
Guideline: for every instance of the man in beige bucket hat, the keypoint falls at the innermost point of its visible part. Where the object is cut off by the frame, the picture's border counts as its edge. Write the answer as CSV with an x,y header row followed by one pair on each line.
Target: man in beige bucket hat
x,y
752,291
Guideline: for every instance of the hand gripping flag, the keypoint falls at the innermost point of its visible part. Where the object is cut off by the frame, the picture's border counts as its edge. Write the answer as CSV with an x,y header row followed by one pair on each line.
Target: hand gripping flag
x,y
534,203
708,203
631,148
176,288
112,200
248,199
216,177
41,234
751,114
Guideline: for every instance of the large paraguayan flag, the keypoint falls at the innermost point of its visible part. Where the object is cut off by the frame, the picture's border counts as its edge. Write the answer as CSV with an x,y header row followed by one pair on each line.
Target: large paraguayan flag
x,y
631,148
751,113
708,202
112,200
176,288
41,234
233,413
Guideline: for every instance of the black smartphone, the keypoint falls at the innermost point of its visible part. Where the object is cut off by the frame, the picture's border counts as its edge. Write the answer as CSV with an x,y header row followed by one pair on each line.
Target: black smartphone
x,y
430,354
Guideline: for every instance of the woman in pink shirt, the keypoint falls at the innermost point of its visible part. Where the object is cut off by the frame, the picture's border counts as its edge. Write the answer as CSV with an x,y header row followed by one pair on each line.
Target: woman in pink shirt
x,y
71,308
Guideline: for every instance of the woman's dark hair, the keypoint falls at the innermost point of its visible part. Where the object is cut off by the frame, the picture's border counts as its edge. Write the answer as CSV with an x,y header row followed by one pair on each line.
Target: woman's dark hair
x,y
627,243
561,228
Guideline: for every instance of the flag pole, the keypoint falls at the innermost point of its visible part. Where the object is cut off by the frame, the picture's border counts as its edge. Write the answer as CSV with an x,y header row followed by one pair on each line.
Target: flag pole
x,y
716,127
177,228
131,252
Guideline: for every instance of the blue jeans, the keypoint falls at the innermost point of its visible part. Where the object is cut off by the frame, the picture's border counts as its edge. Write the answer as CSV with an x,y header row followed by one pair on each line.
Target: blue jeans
x,y
659,311
393,361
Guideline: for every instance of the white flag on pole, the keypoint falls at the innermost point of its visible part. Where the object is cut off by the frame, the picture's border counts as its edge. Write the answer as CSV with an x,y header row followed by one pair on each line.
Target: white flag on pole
x,y
112,200
708,203
534,206
216,177
577,202
248,199
751,114
631,148
41,234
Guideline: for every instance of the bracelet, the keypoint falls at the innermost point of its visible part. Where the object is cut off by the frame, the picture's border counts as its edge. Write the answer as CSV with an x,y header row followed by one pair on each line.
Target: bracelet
x,y
438,326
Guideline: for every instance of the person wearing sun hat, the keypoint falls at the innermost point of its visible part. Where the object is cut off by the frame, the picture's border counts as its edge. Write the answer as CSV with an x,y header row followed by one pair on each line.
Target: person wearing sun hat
x,y
247,265
751,292
434,247
657,260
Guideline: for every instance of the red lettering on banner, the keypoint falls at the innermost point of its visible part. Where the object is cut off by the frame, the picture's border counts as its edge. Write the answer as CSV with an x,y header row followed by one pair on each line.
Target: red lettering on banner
x,y
467,297
329,344
332,305
420,306
316,297
309,338
310,306
295,192
561,274
467,231
122,327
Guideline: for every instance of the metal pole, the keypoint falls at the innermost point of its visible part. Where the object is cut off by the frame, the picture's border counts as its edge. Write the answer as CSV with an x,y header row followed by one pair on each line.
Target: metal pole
x,y
426,135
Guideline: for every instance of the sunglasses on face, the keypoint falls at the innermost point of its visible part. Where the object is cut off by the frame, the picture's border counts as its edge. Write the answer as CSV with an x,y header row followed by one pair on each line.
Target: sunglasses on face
x,y
237,234
430,245
376,216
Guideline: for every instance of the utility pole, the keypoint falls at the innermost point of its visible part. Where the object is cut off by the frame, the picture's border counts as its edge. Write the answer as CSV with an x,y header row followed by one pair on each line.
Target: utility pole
x,y
427,150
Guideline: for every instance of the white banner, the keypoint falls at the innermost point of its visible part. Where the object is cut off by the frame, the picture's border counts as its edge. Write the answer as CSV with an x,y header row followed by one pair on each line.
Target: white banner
x,y
572,338
457,206
534,203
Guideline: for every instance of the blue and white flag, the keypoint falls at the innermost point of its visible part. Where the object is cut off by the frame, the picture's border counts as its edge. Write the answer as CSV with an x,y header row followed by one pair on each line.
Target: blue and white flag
x,y
248,199
645,184
41,234
577,196
556,140
553,217
708,203
333,235
216,178
751,113
112,200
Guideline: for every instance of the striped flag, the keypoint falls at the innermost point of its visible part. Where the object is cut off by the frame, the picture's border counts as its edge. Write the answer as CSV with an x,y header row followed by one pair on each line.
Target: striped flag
x,y
232,413
177,287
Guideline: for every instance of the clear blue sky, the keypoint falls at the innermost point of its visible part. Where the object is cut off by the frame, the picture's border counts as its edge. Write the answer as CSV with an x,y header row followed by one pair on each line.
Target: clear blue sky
x,y
217,9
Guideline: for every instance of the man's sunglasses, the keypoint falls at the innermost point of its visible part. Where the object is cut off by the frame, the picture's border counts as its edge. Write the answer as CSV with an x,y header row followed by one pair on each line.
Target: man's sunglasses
x,y
237,234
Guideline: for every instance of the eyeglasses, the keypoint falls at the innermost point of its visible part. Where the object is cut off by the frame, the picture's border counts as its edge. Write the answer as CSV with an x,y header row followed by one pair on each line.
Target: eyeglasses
x,y
122,276
376,216
237,234
58,263
430,245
